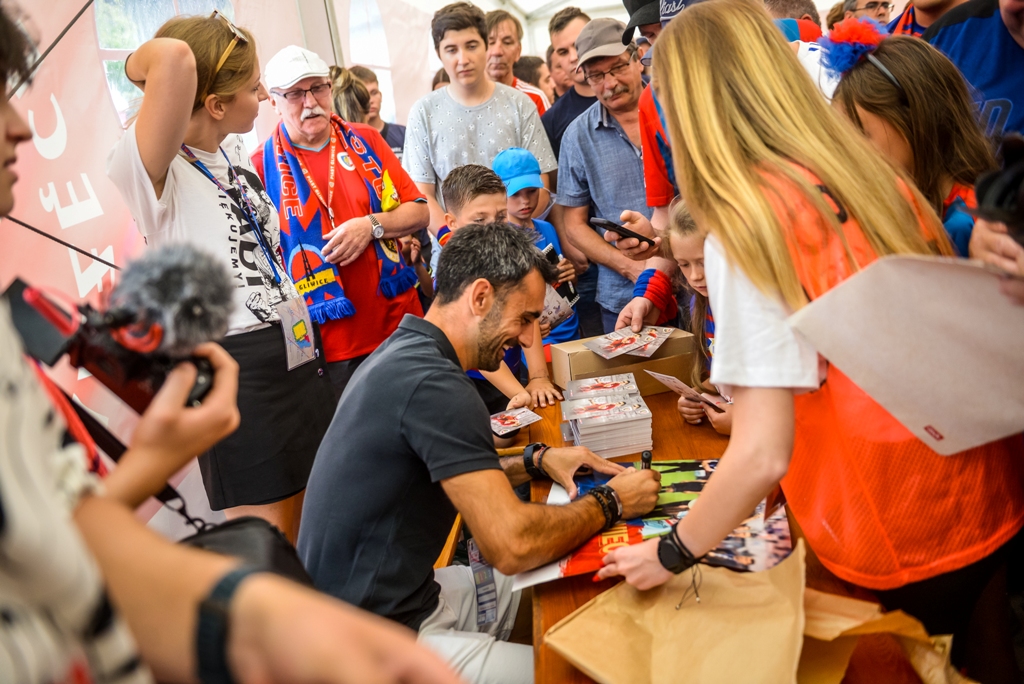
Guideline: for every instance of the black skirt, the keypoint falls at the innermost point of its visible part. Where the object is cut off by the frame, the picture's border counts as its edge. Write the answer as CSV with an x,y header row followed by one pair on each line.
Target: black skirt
x,y
284,418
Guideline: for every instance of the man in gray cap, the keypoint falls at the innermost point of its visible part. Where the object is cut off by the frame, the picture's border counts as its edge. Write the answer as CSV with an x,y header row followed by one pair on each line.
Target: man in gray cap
x,y
601,163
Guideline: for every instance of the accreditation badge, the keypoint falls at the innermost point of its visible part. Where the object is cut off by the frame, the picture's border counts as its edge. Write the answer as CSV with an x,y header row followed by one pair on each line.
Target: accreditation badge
x,y
297,327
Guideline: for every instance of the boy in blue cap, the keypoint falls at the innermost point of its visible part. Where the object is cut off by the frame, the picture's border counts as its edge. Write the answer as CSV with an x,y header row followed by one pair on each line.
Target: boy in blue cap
x,y
519,170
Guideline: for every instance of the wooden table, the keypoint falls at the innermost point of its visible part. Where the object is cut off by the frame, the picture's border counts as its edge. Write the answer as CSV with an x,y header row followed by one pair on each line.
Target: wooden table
x,y
673,440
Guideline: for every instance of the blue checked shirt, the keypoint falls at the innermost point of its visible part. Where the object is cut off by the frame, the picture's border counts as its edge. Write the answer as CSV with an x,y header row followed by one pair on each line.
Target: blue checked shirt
x,y
599,166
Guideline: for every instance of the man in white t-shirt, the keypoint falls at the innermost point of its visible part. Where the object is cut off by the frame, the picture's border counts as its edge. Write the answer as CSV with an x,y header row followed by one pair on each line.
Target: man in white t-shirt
x,y
504,47
473,118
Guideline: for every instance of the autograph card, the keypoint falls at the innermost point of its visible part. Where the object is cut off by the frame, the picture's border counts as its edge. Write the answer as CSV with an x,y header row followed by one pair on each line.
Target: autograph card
x,y
507,421
651,338
614,344
680,387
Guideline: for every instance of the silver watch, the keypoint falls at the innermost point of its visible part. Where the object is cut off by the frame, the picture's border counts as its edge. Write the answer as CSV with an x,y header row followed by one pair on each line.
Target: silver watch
x,y
378,230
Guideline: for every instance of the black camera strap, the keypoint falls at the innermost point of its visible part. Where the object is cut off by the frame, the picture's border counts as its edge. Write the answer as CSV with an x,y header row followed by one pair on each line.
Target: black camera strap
x,y
112,447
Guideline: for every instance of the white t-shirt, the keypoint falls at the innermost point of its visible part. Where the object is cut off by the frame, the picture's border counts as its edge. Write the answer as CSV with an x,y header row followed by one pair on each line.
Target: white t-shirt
x,y
754,344
193,210
51,590
443,134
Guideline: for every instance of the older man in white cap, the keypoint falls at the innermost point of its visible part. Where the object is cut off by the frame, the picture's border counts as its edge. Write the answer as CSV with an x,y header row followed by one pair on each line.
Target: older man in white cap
x,y
344,200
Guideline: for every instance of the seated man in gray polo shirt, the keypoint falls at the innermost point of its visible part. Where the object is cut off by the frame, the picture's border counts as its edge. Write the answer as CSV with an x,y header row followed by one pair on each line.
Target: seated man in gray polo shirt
x,y
410,445
601,164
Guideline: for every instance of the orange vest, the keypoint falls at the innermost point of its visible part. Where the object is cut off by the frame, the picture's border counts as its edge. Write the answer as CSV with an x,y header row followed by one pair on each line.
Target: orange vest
x,y
878,506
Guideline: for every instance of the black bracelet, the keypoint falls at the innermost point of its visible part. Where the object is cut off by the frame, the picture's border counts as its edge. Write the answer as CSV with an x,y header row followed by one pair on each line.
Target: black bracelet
x,y
609,502
539,458
532,470
213,625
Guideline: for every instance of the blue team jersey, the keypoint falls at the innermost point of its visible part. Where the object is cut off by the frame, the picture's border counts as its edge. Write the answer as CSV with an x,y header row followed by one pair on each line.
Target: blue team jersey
x,y
975,39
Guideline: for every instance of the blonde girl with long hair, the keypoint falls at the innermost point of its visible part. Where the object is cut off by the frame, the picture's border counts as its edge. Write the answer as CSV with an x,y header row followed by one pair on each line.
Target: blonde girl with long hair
x,y
795,200
185,174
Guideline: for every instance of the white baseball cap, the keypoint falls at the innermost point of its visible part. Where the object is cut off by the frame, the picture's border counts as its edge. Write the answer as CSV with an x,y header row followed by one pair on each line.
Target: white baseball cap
x,y
291,65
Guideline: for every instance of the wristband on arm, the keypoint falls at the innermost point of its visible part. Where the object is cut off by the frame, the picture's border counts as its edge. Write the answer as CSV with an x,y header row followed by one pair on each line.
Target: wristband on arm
x,y
656,287
213,625
532,456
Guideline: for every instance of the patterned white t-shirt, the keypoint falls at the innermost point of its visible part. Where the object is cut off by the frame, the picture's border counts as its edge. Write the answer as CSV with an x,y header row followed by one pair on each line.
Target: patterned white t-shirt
x,y
443,134
57,626
193,210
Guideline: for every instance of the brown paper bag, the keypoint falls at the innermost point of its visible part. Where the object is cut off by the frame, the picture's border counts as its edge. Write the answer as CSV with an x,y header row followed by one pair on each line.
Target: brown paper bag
x,y
747,628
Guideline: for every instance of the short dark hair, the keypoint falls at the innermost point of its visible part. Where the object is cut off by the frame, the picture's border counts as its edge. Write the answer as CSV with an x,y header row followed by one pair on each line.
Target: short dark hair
x,y
793,9
495,18
457,16
465,183
528,69
17,50
547,56
364,74
500,253
564,17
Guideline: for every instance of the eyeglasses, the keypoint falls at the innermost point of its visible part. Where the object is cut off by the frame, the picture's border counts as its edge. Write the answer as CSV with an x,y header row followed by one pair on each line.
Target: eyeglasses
x,y
237,38
597,78
875,6
299,94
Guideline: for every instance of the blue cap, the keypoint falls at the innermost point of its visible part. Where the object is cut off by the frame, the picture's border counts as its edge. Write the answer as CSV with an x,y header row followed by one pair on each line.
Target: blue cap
x,y
518,169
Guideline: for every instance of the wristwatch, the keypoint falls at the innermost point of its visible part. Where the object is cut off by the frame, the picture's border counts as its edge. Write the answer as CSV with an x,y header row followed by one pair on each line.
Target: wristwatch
x,y
531,460
378,230
674,555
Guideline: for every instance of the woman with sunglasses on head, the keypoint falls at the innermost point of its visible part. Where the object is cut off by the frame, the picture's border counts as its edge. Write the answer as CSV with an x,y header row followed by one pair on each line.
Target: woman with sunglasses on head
x,y
186,176
795,200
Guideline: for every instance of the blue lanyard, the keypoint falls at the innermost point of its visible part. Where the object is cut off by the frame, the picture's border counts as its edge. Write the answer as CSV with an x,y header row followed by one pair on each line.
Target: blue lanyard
x,y
246,205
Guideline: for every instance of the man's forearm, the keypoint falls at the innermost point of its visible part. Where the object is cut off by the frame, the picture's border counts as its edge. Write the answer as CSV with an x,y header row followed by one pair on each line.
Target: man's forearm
x,y
546,533
405,219
514,469
595,248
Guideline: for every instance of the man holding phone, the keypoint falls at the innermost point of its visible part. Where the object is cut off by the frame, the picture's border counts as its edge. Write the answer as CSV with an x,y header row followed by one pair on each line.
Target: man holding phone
x,y
602,163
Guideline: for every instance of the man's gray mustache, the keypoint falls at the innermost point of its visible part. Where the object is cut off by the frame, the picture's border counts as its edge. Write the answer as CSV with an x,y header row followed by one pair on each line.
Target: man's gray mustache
x,y
310,113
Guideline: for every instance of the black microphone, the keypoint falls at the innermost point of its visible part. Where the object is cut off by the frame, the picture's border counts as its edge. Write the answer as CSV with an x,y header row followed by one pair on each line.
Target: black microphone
x,y
182,291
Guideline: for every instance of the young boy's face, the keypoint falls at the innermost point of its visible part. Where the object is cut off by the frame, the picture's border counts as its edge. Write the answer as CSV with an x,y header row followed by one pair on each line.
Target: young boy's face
x,y
481,209
522,204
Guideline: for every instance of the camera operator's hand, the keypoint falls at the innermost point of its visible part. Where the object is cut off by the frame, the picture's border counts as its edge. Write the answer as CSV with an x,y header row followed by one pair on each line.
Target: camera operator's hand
x,y
281,632
991,243
170,434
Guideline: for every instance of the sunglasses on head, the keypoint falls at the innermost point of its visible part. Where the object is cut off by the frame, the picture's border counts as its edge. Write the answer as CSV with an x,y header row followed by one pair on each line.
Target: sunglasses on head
x,y
236,38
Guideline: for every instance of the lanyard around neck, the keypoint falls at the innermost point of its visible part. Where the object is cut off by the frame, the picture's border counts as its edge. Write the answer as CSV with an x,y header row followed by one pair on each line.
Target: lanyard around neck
x,y
245,205
330,176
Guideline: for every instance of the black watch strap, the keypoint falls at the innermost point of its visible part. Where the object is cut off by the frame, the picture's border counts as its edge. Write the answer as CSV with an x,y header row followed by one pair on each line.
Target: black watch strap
x,y
611,507
673,554
212,630
528,460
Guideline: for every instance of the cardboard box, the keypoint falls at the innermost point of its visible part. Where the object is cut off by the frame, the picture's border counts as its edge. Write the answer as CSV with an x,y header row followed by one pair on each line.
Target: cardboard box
x,y
572,361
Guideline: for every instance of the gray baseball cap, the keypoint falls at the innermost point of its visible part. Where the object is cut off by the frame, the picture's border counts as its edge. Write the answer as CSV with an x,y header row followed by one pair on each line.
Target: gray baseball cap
x,y
600,38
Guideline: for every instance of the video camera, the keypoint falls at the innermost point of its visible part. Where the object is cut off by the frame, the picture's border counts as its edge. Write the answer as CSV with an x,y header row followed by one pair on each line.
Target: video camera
x,y
165,304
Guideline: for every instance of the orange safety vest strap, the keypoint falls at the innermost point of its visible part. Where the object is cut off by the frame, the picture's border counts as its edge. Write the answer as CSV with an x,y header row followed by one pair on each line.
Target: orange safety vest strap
x,y
880,508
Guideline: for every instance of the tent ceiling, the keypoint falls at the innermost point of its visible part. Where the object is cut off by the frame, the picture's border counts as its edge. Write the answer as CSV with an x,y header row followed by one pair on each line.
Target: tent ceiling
x,y
537,9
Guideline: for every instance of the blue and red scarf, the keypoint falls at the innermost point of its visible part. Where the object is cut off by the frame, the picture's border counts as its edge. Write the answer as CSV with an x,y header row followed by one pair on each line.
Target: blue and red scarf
x,y
305,222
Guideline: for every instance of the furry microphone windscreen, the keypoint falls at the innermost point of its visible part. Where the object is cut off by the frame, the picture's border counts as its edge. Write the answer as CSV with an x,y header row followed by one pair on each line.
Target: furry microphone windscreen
x,y
184,289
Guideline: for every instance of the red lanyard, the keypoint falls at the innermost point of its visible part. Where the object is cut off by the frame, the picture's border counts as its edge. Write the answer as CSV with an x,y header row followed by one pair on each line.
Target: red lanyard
x,y
330,181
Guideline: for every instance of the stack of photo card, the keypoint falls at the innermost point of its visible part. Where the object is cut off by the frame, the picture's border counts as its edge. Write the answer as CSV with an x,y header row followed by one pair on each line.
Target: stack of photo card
x,y
624,383
610,424
625,341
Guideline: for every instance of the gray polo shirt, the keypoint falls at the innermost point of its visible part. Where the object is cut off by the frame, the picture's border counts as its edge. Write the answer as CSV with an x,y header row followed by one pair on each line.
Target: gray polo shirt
x,y
443,134
375,516
599,166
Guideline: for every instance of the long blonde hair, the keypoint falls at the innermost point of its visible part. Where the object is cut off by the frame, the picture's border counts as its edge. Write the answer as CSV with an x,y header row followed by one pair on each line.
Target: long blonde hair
x,y
209,37
349,95
740,108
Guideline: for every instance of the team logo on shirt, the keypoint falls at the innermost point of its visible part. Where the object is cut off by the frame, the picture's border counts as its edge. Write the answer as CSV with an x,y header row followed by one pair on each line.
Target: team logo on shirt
x,y
346,161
